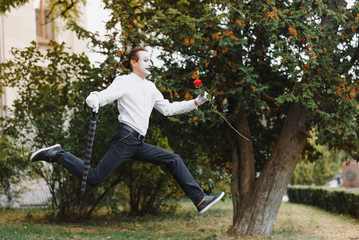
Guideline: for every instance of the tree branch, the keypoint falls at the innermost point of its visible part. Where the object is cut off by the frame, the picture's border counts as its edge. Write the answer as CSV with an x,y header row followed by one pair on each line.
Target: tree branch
x,y
113,184
48,16
267,97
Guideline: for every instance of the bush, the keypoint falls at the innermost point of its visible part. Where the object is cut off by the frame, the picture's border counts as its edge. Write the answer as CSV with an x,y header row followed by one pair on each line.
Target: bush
x,y
338,200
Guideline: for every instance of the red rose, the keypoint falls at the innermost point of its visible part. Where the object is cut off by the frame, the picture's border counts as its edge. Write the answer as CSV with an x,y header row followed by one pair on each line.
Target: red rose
x,y
198,83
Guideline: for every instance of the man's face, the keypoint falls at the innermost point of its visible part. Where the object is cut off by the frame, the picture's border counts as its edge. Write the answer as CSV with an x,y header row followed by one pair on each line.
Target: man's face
x,y
144,62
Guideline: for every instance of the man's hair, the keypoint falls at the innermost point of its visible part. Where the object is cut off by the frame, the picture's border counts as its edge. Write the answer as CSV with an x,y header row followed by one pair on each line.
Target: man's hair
x,y
132,56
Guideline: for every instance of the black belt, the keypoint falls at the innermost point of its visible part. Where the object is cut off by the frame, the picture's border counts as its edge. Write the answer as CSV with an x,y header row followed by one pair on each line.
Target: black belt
x,y
133,131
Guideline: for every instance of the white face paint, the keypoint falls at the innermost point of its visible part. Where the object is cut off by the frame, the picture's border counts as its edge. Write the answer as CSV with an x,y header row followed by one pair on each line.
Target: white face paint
x,y
145,63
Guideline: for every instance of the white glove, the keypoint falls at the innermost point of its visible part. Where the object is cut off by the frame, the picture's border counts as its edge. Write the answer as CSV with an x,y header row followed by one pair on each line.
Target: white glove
x,y
202,98
93,102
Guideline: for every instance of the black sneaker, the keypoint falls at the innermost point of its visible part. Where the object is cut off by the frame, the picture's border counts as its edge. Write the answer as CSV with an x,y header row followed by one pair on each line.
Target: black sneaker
x,y
208,201
46,154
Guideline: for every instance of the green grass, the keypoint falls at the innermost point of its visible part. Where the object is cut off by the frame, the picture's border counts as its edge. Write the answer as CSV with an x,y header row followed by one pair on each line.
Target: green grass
x,y
294,221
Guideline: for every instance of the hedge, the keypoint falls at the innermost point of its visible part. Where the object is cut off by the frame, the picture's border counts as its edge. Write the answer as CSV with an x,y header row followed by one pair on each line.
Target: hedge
x,y
338,200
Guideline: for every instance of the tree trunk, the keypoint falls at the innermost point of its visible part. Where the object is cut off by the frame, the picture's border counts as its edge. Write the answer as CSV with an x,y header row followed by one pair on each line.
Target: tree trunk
x,y
261,200
243,169
9,187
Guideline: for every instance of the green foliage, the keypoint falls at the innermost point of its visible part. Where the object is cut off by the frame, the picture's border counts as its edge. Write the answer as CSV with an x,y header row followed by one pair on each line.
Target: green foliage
x,y
319,167
51,89
338,200
44,84
7,5
13,162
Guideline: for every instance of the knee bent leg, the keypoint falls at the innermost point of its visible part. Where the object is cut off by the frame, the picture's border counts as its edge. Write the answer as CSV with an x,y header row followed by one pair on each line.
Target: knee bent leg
x,y
95,181
175,161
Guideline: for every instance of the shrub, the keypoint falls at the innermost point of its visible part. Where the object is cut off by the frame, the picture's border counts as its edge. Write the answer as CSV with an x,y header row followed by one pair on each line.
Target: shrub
x,y
338,200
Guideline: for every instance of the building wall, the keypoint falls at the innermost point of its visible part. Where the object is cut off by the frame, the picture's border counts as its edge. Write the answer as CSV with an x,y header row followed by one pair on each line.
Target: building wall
x,y
18,29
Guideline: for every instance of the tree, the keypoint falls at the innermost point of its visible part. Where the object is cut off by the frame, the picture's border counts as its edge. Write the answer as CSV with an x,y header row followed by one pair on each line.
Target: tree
x,y
283,67
318,167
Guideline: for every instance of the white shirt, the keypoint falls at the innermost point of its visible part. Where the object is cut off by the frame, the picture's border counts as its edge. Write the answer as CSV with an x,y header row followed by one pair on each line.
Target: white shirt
x,y
136,97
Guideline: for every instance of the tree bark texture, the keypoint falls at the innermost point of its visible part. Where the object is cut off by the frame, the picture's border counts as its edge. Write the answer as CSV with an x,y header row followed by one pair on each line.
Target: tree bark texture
x,y
256,202
242,158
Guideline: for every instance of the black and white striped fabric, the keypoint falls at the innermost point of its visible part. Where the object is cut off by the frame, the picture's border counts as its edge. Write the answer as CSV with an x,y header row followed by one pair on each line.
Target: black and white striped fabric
x,y
90,140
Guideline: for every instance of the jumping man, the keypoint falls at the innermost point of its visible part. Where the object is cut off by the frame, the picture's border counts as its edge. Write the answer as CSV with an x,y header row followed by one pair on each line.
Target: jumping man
x,y
136,97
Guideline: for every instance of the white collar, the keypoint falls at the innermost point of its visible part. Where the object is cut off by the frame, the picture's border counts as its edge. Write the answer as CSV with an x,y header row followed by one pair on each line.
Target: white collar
x,y
137,77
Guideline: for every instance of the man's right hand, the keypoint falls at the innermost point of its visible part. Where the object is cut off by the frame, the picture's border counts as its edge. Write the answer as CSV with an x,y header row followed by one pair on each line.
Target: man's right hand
x,y
93,102
202,98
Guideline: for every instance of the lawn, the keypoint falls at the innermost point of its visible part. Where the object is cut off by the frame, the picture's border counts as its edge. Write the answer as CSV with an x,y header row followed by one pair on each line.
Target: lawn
x,y
294,221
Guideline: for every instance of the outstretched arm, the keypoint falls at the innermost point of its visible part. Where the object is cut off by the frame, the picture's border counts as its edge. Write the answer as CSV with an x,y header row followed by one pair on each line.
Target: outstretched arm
x,y
169,109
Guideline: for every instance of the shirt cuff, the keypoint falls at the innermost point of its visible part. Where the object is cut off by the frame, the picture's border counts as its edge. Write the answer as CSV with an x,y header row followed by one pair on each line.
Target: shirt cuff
x,y
100,98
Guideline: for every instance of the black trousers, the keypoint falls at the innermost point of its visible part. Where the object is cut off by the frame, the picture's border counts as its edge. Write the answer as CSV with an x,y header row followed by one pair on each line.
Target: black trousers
x,y
125,145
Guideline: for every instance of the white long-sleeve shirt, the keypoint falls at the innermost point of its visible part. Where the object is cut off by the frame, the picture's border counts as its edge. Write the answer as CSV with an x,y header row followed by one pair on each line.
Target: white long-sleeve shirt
x,y
136,97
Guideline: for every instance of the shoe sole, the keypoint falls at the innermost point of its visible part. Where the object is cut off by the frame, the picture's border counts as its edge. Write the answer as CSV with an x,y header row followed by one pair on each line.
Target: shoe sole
x,y
212,203
43,149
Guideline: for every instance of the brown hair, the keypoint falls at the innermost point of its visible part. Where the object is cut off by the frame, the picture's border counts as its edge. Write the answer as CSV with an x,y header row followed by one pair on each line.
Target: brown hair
x,y
132,56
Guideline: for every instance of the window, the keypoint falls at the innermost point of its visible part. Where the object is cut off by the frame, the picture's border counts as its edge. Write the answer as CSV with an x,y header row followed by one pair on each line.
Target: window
x,y
44,24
